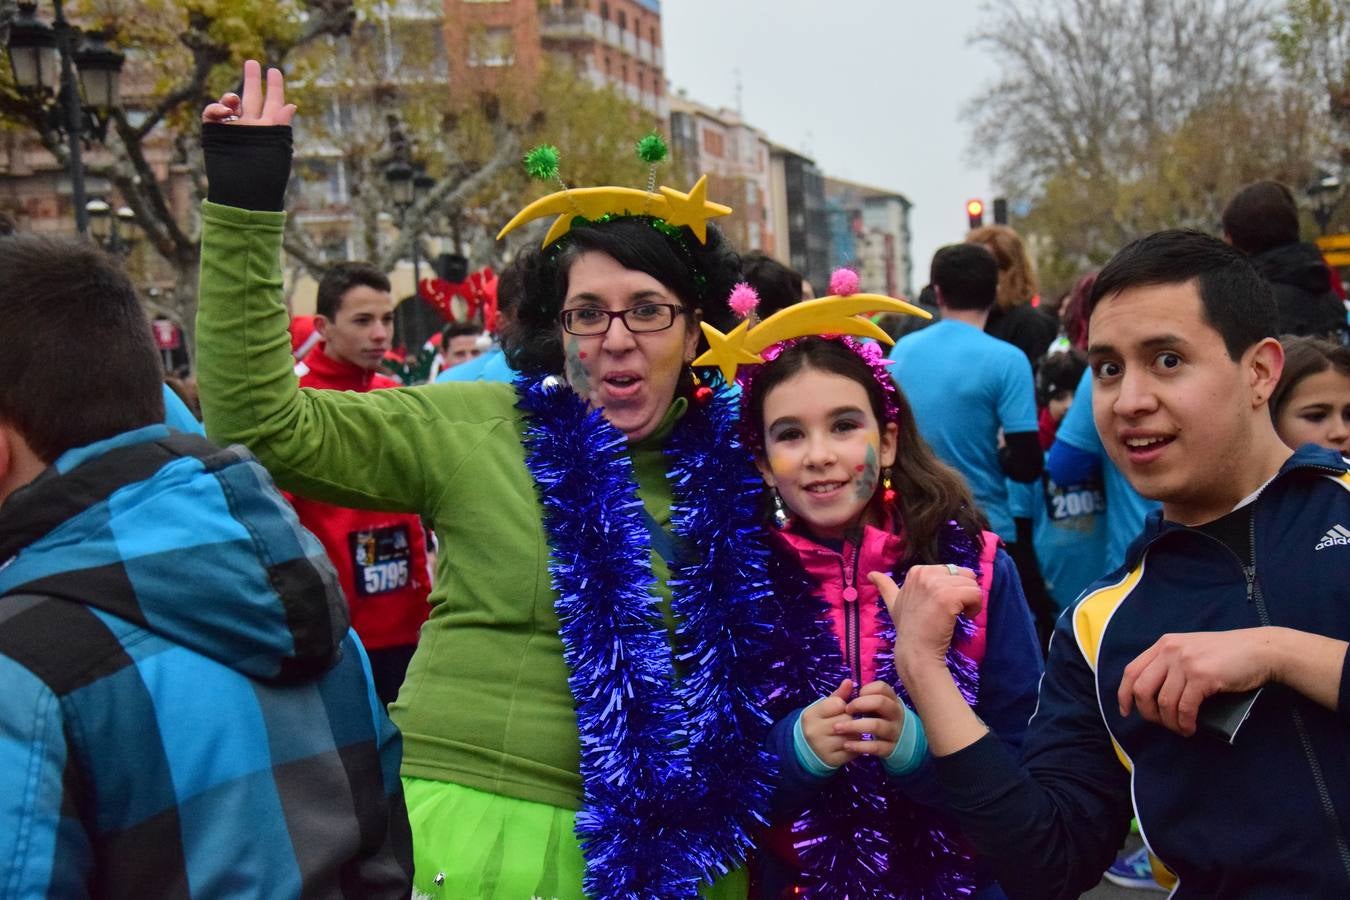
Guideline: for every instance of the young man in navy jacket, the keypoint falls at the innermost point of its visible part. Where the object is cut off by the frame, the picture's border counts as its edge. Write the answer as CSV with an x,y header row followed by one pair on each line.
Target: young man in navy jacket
x,y
1240,583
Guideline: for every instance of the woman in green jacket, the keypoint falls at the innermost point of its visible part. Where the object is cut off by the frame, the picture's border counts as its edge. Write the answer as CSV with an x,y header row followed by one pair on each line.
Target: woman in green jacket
x,y
579,717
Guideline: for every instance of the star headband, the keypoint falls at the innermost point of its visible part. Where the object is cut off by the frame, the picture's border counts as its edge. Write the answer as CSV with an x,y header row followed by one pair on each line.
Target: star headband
x,y
838,314
675,208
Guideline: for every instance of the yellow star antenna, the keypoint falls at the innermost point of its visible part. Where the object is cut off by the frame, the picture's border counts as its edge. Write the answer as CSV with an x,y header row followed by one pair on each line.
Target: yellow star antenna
x,y
693,209
825,315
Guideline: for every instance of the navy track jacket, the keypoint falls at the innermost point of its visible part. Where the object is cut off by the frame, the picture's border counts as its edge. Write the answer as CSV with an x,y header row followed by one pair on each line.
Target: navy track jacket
x,y
1266,816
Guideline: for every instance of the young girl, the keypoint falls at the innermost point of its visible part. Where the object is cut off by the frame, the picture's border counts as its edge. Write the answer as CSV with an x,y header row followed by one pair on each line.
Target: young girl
x,y
1311,404
857,812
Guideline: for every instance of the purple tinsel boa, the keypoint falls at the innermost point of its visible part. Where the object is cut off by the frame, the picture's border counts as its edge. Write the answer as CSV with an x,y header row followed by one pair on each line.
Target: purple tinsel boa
x,y
860,837
674,770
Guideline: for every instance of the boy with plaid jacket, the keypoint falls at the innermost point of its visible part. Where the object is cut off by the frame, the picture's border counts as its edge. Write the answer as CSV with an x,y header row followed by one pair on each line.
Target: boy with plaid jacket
x,y
185,712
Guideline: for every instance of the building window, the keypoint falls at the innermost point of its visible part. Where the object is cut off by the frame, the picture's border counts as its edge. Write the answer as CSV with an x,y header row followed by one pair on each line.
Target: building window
x,y
655,40
713,143
493,47
604,10
623,20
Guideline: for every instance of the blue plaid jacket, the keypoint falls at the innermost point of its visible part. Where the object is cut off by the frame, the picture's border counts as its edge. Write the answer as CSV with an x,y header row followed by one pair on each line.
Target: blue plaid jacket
x,y
184,711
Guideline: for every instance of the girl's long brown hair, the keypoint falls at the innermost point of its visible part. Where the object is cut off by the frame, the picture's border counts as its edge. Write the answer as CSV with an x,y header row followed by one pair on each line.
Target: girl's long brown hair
x,y
928,492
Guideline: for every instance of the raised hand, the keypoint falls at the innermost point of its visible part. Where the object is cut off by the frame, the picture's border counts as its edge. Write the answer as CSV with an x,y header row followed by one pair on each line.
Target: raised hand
x,y
256,107
819,721
880,714
925,611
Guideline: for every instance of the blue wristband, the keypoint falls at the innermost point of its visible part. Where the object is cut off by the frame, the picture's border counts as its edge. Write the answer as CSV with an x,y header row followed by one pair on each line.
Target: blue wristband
x,y
806,757
910,748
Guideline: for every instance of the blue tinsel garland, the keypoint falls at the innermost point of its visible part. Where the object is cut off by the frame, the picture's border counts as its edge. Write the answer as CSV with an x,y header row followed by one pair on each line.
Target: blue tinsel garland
x,y
674,772
860,837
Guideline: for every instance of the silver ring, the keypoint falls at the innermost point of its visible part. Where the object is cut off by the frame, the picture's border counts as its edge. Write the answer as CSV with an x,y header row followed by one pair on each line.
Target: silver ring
x,y
952,570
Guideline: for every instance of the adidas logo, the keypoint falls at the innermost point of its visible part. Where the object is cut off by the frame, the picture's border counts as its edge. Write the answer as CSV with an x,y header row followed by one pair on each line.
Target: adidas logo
x,y
1338,536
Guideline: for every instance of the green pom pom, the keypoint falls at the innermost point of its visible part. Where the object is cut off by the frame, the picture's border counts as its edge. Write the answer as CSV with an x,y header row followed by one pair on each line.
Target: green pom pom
x,y
652,149
542,162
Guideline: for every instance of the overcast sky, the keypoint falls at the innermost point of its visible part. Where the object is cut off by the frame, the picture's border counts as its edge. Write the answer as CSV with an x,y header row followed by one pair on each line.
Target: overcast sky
x,y
871,89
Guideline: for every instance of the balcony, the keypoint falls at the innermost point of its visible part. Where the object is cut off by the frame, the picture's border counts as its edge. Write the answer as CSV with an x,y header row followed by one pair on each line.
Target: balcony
x,y
644,51
629,43
560,24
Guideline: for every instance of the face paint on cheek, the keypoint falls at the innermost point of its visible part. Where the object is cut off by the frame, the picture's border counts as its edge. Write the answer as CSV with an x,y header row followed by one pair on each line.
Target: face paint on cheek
x,y
867,481
577,376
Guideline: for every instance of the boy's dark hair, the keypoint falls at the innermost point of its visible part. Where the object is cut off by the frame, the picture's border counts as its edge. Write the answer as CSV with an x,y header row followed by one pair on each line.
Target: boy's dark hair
x,y
460,329
1236,301
966,275
341,278
778,286
59,295
1260,217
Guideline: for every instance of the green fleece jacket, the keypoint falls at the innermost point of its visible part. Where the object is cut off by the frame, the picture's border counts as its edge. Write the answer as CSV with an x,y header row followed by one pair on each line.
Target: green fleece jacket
x,y
486,702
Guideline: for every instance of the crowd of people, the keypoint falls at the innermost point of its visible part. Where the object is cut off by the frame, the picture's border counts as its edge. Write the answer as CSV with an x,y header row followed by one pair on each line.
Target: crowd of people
x,y
680,583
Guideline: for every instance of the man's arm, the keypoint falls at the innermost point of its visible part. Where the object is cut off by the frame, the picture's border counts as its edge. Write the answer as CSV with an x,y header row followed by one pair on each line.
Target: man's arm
x,y
1169,681
1021,456
45,851
1048,828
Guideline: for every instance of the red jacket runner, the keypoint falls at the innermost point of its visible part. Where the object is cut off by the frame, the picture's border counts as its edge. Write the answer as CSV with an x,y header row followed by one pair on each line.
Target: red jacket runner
x,y
381,557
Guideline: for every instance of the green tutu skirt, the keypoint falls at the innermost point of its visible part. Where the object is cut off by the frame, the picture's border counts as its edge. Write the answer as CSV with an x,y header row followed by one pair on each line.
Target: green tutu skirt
x,y
472,845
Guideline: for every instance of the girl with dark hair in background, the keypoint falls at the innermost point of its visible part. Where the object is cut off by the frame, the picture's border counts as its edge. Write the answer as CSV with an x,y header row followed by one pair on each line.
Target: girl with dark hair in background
x,y
857,813
1311,403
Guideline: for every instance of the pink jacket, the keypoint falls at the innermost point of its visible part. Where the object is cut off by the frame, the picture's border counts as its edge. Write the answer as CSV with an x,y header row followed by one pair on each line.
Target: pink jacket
x,y
852,599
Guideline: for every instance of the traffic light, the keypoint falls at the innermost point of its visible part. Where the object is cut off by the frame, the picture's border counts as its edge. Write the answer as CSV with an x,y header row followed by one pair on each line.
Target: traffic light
x,y
975,212
1000,211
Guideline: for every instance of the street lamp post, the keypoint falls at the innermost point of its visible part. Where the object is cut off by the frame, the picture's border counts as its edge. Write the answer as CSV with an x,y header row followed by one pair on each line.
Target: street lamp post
x,y
106,226
45,59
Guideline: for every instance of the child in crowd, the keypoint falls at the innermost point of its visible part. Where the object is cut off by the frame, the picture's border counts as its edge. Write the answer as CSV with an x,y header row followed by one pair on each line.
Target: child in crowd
x,y
856,490
1311,404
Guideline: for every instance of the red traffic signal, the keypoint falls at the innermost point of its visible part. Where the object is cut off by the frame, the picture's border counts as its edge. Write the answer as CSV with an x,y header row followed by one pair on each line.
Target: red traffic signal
x,y
975,212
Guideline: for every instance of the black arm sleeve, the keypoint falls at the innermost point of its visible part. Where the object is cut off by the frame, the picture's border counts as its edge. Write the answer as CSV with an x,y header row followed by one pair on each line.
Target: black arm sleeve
x,y
247,167
1021,456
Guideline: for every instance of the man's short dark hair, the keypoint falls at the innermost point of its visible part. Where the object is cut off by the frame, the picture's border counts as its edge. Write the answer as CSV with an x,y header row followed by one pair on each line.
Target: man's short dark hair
x,y
1237,302
79,363
341,278
460,329
1260,217
966,275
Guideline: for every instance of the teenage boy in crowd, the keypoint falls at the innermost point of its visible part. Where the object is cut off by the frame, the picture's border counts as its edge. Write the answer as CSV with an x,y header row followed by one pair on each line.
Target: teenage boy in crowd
x,y
381,557
1232,592
185,711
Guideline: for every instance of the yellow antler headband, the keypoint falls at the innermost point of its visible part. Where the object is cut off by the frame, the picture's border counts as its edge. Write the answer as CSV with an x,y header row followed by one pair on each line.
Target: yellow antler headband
x,y
825,315
693,209
675,208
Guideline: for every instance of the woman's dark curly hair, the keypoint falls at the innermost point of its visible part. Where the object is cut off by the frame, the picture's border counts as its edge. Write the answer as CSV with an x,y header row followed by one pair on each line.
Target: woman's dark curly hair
x,y
701,276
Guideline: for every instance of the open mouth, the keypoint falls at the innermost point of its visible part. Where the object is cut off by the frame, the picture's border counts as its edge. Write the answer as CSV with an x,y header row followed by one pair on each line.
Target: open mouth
x,y
1144,448
621,385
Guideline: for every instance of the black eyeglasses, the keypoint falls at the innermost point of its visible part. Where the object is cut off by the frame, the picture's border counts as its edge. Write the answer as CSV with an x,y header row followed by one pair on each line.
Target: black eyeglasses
x,y
588,321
